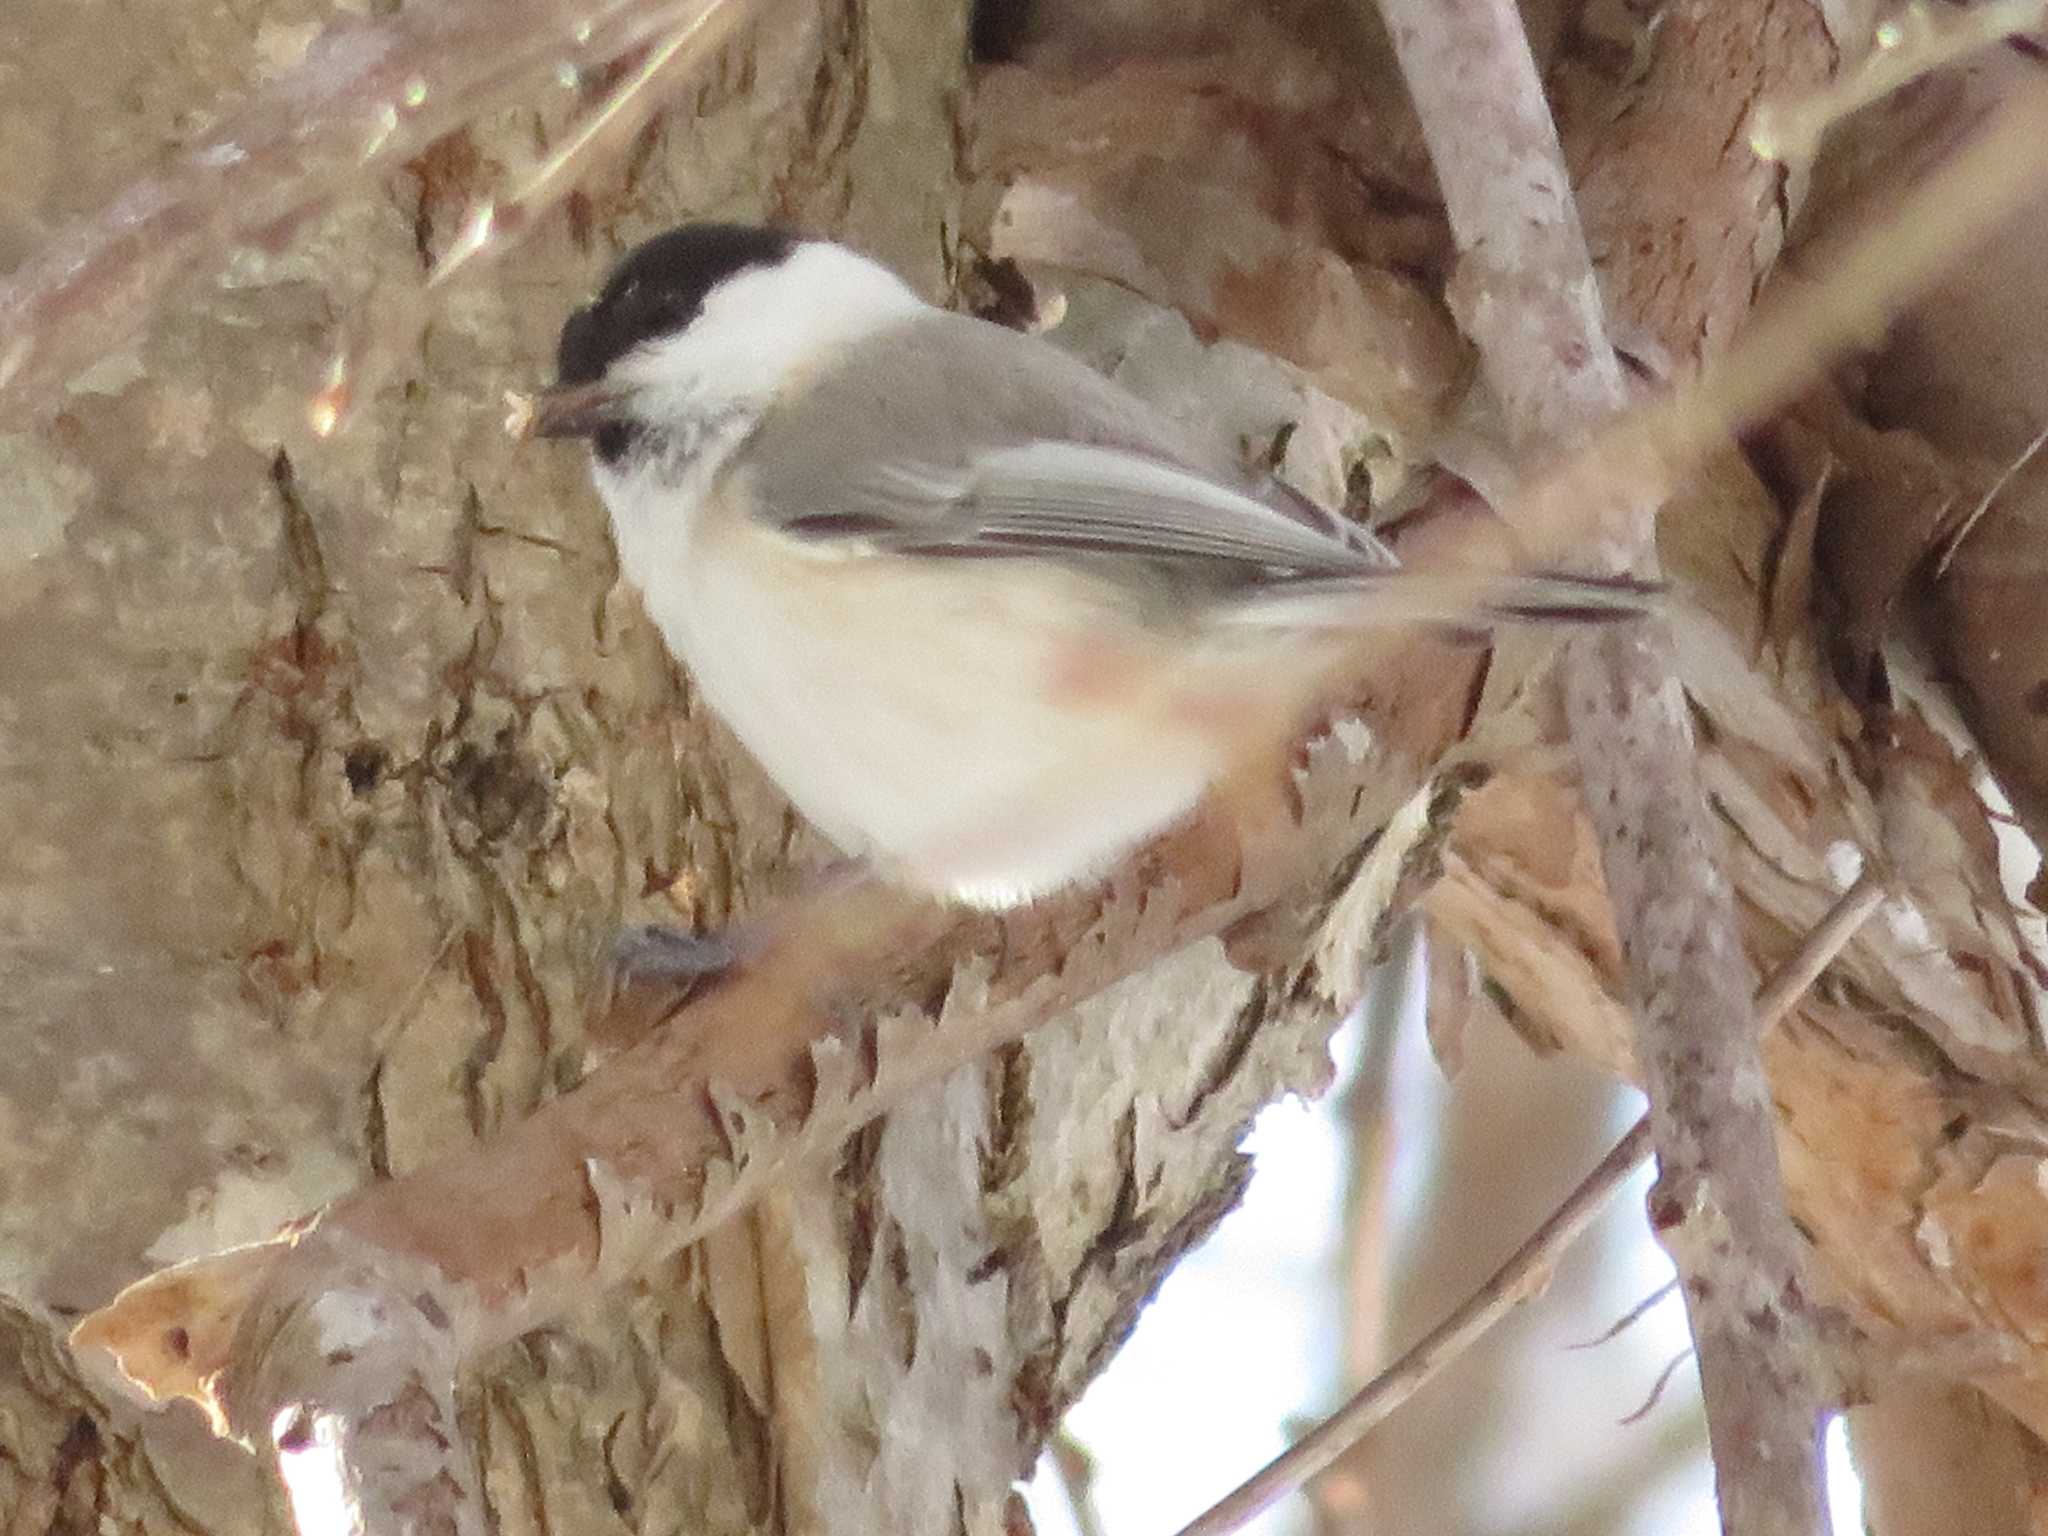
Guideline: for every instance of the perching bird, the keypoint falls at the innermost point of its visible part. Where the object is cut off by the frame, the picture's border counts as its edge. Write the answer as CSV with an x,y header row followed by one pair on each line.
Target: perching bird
x,y
982,614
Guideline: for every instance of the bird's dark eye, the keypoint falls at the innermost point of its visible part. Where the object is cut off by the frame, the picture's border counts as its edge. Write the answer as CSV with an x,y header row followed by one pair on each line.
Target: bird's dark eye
x,y
614,440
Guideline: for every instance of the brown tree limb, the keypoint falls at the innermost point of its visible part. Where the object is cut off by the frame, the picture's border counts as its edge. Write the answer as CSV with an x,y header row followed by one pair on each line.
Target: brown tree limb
x,y
342,1339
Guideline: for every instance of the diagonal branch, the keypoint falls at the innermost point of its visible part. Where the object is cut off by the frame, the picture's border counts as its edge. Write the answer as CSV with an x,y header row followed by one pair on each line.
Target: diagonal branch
x,y
336,1345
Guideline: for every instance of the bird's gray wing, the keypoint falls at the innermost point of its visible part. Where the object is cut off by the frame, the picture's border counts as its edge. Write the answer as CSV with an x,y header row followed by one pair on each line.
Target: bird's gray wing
x,y
1050,498
955,438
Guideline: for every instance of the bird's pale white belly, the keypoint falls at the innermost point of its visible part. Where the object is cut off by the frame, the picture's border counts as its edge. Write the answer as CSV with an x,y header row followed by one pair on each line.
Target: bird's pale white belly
x,y
936,713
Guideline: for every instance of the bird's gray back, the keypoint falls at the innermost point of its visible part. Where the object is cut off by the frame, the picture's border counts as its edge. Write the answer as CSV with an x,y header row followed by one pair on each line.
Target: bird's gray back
x,y
943,385
943,388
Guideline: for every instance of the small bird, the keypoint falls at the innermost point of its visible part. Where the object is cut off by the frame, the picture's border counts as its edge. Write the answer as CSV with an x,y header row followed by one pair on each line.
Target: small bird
x,y
983,615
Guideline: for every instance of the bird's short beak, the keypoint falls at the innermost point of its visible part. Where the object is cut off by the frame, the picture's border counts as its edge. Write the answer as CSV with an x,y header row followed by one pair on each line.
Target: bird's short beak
x,y
575,410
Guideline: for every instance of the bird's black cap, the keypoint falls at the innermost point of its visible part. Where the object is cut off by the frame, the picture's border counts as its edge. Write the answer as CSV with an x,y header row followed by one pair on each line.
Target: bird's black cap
x,y
658,289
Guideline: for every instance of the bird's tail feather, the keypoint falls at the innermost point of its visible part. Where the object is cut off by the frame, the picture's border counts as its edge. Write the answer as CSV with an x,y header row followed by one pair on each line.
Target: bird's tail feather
x,y
1403,595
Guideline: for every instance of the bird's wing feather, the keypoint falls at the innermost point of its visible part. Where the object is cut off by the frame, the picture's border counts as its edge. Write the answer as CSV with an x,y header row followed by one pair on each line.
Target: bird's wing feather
x,y
1062,463
1050,498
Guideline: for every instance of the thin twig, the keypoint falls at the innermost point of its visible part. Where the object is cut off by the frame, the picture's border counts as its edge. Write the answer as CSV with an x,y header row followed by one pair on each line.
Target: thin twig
x,y
1642,1410
369,93
1527,1271
383,323
1913,40
1628,1319
1817,951
496,221
1968,525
